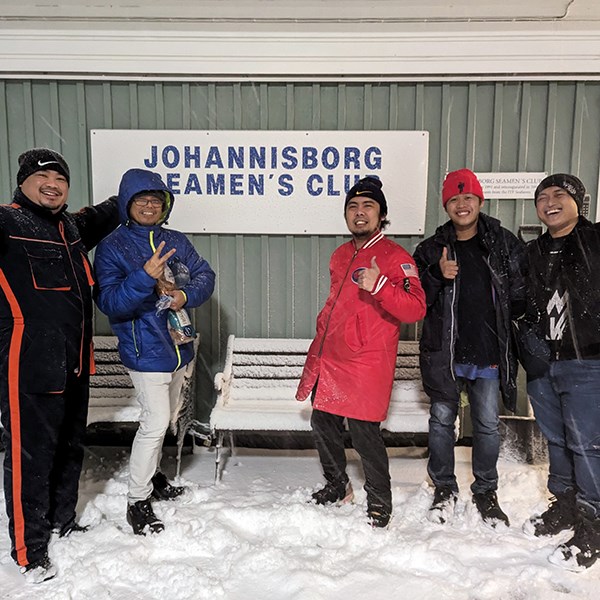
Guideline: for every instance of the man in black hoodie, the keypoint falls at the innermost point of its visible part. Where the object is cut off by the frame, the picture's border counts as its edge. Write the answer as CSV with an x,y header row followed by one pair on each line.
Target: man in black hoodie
x,y
45,352
562,359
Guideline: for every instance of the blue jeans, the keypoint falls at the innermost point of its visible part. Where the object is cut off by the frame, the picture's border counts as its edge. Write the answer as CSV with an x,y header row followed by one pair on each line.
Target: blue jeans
x,y
566,403
483,399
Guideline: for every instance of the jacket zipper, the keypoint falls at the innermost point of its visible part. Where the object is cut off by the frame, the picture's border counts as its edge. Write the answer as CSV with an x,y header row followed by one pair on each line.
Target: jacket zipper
x,y
175,346
453,322
335,302
61,229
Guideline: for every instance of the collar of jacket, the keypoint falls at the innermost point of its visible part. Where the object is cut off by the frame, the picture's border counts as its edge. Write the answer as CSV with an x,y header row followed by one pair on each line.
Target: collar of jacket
x,y
545,240
376,237
22,200
142,230
446,234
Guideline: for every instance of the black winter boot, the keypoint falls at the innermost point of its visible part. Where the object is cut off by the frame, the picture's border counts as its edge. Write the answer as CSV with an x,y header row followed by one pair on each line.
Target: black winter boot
x,y
442,507
334,493
163,490
379,515
142,519
583,549
560,515
489,509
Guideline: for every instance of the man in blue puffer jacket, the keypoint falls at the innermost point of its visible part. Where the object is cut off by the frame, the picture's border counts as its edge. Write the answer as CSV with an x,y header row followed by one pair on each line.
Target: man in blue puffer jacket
x,y
129,263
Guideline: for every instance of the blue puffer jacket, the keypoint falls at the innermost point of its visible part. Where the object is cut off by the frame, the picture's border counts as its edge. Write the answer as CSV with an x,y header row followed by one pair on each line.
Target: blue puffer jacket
x,y
126,293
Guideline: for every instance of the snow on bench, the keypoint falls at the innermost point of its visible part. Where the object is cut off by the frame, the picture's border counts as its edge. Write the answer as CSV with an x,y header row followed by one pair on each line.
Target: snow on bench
x,y
112,397
256,389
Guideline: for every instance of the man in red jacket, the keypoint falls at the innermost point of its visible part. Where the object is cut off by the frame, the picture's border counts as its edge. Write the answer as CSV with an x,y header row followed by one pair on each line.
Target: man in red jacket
x,y
349,369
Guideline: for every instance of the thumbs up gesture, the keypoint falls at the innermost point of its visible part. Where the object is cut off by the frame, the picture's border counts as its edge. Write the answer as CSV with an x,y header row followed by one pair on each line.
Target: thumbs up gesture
x,y
449,268
368,277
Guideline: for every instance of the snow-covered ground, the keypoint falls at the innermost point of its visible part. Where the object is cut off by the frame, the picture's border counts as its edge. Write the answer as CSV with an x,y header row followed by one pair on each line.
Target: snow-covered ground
x,y
254,536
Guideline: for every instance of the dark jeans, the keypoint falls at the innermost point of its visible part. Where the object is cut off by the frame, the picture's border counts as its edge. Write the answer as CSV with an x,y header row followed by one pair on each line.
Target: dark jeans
x,y
483,399
566,403
328,433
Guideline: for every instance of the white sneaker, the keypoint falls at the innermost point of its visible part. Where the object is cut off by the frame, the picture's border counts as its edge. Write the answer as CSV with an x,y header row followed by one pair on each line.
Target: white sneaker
x,y
39,571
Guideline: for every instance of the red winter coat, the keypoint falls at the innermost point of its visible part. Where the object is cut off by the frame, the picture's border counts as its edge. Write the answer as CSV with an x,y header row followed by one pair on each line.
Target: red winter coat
x,y
353,355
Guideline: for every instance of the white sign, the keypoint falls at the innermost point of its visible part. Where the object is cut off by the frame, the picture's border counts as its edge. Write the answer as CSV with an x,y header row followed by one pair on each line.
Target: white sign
x,y
509,186
278,182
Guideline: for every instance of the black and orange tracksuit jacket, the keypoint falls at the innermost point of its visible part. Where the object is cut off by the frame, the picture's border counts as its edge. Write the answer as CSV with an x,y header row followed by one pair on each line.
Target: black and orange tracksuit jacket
x,y
45,361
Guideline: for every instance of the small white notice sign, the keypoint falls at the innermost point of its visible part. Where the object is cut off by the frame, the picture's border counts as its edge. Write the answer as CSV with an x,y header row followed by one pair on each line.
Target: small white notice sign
x,y
510,186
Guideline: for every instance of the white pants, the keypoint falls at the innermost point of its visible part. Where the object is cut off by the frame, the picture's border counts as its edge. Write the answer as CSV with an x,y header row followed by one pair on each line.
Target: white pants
x,y
158,395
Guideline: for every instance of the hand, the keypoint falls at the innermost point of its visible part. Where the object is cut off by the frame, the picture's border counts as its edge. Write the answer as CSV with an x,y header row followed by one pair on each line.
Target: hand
x,y
155,265
178,301
368,277
449,268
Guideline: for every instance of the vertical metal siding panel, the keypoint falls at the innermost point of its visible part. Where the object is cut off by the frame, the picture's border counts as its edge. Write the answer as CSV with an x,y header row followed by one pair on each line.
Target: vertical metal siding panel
x,y
471,150
342,103
430,97
4,144
238,105
578,117
316,106
265,288
186,106
83,140
368,107
107,104
134,112
28,116
445,136
551,127
392,116
518,205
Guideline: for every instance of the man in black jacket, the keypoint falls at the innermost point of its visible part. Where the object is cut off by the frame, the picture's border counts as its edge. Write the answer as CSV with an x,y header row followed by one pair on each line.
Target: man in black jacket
x,y
45,352
563,365
472,272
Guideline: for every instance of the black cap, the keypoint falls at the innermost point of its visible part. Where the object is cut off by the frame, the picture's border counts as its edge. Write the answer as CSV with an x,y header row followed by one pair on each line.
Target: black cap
x,y
571,184
371,187
41,159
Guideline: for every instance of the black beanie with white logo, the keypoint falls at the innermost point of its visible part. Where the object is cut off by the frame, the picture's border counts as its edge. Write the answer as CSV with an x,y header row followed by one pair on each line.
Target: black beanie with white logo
x,y
571,184
41,159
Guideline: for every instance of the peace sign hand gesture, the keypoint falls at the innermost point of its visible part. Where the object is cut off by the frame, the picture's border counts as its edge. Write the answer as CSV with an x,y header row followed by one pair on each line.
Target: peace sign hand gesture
x,y
155,265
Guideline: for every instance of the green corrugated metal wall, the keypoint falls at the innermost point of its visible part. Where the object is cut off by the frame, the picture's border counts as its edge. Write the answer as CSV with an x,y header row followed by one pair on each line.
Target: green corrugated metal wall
x,y
274,285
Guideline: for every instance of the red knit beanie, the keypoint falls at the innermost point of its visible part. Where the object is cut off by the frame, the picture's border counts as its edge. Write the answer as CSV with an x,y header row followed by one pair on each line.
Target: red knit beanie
x,y
458,182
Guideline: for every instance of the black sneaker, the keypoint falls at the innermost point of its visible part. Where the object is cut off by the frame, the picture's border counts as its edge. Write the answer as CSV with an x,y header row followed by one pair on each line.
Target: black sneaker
x,y
142,519
39,570
442,508
334,494
560,515
583,549
489,509
379,515
163,490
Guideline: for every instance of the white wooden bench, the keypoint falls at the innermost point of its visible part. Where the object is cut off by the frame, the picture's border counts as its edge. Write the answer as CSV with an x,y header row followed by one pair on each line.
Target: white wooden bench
x,y
113,398
256,390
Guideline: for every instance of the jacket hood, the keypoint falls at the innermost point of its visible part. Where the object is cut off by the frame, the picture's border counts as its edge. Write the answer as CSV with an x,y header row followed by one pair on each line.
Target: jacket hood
x,y
135,181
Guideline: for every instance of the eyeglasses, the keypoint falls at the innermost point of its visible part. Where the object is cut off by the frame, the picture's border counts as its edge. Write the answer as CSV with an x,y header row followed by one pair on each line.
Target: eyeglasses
x,y
145,200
